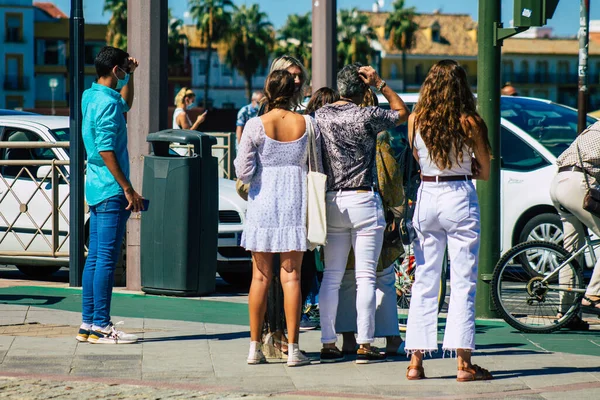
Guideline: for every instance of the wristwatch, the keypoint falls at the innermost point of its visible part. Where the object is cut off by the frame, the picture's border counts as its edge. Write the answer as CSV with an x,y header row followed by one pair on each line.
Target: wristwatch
x,y
381,85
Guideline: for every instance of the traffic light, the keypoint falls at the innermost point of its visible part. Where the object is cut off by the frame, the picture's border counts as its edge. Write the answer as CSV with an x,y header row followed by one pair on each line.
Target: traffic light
x,y
533,12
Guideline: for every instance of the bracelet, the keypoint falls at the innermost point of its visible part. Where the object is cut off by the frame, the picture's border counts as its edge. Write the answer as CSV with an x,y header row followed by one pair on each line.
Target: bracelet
x,y
381,85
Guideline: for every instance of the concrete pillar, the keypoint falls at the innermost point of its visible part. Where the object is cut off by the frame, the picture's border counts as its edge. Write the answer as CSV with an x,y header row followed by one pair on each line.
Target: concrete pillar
x,y
147,26
324,53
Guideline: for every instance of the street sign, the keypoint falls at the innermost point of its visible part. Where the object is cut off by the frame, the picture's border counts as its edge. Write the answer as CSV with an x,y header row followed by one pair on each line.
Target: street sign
x,y
533,12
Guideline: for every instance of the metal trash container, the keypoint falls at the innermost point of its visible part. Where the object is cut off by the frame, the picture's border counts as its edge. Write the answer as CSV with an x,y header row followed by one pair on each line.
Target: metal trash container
x,y
179,229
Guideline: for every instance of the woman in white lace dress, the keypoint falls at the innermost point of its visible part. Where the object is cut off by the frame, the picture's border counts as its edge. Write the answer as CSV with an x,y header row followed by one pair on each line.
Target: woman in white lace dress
x,y
272,157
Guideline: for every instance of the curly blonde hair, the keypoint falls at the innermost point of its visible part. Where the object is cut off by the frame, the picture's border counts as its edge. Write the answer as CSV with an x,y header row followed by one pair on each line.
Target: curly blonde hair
x,y
446,116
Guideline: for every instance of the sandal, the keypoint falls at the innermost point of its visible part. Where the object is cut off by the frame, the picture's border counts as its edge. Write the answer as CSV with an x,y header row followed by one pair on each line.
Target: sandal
x,y
420,372
477,374
587,302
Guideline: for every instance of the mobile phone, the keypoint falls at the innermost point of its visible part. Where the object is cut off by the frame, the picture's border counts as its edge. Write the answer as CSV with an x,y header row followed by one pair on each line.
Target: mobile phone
x,y
146,204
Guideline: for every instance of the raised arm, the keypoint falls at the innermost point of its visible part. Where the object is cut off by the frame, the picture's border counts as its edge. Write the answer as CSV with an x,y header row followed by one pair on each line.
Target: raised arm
x,y
370,77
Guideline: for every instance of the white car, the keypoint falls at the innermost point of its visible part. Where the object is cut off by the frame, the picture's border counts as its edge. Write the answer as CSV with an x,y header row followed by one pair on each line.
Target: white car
x,y
26,204
534,133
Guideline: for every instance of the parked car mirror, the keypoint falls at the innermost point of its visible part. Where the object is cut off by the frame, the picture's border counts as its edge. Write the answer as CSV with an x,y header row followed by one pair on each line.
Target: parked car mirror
x,y
43,171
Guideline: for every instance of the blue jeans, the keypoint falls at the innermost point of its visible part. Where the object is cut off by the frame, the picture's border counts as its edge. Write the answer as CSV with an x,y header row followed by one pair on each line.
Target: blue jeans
x,y
107,227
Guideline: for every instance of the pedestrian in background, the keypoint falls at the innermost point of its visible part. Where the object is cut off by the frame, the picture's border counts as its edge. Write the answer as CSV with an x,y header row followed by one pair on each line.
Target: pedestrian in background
x,y
184,101
272,159
247,112
108,191
445,131
355,216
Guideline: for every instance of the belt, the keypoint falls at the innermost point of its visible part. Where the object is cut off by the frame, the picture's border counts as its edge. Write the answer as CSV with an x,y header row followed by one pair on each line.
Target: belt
x,y
570,168
358,189
446,178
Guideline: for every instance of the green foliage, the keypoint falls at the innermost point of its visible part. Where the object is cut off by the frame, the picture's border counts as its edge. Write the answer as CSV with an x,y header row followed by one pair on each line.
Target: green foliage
x,y
116,32
175,40
354,38
249,43
400,27
295,38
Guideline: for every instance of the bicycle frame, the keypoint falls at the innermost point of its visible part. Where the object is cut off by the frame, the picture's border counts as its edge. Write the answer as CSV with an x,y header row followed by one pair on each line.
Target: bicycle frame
x,y
589,245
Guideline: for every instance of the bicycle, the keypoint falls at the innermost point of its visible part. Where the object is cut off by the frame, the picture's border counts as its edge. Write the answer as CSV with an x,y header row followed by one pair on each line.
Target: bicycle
x,y
538,286
404,268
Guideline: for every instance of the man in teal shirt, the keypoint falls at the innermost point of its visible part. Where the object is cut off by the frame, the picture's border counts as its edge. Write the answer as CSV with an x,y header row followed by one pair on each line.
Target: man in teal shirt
x,y
108,190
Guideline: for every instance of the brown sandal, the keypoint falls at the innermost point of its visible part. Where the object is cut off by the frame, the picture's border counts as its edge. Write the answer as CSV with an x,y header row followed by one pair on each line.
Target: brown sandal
x,y
419,369
477,374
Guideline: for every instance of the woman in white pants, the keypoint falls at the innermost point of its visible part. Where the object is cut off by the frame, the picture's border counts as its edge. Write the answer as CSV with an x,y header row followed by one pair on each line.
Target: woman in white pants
x,y
448,138
354,210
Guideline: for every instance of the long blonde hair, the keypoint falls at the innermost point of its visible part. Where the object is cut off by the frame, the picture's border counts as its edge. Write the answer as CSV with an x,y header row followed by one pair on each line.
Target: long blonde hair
x,y
283,63
182,95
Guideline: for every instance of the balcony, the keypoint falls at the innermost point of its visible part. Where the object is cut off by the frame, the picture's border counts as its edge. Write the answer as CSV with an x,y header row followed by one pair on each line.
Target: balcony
x,y
16,83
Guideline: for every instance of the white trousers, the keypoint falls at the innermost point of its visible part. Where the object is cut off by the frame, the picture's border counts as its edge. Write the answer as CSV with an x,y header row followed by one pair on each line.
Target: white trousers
x,y
354,220
447,213
386,309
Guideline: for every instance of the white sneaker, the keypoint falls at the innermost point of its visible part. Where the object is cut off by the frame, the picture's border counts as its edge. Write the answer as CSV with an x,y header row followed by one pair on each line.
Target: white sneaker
x,y
255,355
110,335
295,357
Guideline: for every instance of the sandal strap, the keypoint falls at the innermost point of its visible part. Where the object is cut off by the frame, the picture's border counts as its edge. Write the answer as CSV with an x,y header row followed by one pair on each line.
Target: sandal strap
x,y
593,303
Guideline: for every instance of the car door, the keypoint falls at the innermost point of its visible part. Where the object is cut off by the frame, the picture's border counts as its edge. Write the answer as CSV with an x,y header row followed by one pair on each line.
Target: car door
x,y
26,196
525,181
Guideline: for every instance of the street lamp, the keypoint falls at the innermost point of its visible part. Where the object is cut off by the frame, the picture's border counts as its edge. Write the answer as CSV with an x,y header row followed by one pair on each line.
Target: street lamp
x,y
53,84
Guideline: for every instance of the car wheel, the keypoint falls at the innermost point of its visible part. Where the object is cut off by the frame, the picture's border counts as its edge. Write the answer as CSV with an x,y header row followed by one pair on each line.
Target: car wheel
x,y
239,279
545,227
36,271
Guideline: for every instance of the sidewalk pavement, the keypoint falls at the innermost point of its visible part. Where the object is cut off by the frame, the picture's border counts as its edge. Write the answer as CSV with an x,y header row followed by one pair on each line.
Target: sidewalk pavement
x,y
197,348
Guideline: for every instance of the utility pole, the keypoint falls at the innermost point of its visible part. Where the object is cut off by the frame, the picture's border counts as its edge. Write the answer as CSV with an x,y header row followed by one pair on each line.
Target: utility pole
x,y
76,181
584,39
147,26
324,46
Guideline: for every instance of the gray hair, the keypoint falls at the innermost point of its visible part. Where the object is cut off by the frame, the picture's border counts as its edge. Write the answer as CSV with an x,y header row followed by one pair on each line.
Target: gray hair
x,y
349,83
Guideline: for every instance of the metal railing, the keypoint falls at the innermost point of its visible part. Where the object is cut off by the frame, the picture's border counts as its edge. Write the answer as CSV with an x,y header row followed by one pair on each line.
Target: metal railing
x,y
28,202
23,219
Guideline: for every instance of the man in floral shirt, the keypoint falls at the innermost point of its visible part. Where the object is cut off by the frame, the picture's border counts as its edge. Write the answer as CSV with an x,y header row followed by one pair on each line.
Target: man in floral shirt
x,y
247,112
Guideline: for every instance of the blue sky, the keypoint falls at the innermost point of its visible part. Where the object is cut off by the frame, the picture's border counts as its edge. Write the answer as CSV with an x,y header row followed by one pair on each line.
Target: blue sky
x,y
565,21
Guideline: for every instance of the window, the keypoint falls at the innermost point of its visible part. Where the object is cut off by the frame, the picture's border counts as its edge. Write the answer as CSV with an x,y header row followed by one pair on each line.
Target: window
x,y
51,52
394,71
202,67
541,68
524,72
507,71
226,70
435,33
22,135
14,28
14,102
13,78
518,156
419,74
90,52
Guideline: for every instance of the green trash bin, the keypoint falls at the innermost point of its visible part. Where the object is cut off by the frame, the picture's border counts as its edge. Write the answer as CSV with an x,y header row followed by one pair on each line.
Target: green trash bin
x,y
179,229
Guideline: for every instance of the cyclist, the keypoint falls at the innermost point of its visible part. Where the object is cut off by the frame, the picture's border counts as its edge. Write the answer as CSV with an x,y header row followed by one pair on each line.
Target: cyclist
x,y
578,166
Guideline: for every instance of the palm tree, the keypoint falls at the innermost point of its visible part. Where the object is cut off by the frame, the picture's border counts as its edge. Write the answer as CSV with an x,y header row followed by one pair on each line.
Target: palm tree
x,y
213,20
175,40
400,29
116,32
354,38
249,44
295,38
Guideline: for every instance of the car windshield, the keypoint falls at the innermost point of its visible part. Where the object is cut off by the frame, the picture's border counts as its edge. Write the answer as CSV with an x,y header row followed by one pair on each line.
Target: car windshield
x,y
552,125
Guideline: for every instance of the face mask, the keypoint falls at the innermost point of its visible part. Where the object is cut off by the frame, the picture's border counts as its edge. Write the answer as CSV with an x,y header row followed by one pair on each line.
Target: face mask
x,y
121,83
191,105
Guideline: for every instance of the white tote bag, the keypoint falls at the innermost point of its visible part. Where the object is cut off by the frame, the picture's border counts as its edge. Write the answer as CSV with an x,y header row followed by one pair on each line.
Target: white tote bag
x,y
316,221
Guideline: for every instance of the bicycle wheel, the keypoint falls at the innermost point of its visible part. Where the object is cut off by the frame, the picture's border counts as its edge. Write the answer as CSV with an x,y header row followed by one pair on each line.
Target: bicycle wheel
x,y
521,296
405,277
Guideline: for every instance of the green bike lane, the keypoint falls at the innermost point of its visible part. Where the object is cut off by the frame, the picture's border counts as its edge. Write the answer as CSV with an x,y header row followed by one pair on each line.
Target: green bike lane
x,y
491,334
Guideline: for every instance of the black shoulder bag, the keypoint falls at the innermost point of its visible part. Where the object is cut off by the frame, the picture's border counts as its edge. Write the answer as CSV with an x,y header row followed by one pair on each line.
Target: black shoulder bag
x,y
591,200
412,180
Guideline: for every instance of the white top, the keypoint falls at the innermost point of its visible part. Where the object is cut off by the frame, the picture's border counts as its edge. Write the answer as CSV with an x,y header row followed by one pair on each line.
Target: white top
x,y
429,168
176,114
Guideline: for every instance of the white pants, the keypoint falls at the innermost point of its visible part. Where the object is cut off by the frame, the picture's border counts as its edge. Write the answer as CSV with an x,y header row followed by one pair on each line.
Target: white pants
x,y
354,220
447,213
386,310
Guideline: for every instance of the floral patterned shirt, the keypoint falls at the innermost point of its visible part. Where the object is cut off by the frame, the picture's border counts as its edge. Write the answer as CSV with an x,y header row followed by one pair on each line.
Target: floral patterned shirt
x,y
349,135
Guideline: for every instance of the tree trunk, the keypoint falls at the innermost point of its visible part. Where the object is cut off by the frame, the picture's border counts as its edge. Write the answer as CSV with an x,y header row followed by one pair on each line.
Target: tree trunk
x,y
404,74
249,87
207,78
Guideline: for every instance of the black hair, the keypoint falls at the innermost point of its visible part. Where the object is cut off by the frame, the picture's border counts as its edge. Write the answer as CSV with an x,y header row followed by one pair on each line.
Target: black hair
x,y
108,57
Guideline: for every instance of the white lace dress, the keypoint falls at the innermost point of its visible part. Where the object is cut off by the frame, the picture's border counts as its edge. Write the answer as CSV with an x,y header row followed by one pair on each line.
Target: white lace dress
x,y
276,171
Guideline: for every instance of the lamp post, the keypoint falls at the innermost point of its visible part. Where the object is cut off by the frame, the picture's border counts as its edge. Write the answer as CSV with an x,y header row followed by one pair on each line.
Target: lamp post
x,y
53,84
